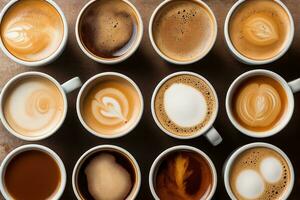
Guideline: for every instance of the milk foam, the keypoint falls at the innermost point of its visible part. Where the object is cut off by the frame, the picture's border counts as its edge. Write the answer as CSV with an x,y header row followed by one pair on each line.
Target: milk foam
x,y
271,169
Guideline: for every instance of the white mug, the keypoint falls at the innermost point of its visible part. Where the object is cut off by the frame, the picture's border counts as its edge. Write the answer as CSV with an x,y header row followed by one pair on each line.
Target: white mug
x,y
290,88
160,158
122,58
208,131
150,32
243,58
65,88
136,187
28,147
47,60
229,162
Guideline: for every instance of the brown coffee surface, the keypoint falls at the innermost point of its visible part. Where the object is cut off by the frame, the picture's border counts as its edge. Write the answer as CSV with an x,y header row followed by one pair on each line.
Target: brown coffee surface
x,y
32,175
183,30
259,103
108,28
251,159
259,29
184,176
32,30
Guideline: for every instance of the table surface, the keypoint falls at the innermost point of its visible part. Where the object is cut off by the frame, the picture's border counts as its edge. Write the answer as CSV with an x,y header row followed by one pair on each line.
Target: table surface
x,y
146,68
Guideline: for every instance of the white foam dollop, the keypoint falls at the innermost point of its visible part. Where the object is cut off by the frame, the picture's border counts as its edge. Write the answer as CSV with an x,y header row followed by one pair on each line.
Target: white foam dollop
x,y
271,169
185,105
250,184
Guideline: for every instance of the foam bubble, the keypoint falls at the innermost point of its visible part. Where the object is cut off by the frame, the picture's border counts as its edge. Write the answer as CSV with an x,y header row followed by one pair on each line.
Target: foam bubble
x,y
271,169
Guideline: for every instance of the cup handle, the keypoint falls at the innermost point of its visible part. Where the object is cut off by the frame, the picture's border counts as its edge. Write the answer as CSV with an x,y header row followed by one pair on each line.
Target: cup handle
x,y
295,85
71,84
213,137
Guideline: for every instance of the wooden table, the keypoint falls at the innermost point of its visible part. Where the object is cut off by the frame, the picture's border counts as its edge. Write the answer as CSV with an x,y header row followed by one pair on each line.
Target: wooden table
x,y
146,68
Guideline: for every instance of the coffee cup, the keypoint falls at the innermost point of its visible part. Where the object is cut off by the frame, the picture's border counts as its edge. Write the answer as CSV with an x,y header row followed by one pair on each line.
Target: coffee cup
x,y
34,105
260,103
184,105
258,170
36,168
259,32
33,33
119,25
183,32
112,164
178,164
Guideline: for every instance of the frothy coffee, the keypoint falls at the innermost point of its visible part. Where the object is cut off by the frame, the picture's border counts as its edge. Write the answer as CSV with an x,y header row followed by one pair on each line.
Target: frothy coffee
x,y
259,29
259,173
32,30
184,104
183,30
33,106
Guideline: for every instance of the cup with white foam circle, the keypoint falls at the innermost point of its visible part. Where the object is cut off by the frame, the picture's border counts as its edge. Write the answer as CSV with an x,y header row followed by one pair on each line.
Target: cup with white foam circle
x,y
184,105
33,147
256,177
270,89
34,105
116,163
43,58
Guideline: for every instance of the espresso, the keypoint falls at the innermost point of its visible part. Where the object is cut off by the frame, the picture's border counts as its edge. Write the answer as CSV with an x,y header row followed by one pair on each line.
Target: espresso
x,y
111,105
32,30
32,175
183,30
259,173
184,175
259,103
184,105
33,106
259,29
108,28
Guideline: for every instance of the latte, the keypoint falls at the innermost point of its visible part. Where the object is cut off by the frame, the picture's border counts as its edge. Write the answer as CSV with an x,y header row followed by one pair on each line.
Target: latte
x,y
32,30
259,29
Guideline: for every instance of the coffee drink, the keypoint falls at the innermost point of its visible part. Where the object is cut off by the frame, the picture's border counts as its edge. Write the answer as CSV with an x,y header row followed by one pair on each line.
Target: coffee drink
x,y
33,106
32,30
111,105
259,29
184,30
184,175
259,173
184,104
259,103
32,175
108,28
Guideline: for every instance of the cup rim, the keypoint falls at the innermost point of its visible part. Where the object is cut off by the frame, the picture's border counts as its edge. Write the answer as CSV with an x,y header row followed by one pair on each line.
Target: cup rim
x,y
128,53
51,57
201,131
250,61
98,149
287,116
36,147
5,90
101,75
240,150
161,156
177,62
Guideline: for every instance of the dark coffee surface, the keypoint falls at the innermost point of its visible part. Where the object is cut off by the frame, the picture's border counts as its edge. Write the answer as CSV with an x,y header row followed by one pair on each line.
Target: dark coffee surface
x,y
146,68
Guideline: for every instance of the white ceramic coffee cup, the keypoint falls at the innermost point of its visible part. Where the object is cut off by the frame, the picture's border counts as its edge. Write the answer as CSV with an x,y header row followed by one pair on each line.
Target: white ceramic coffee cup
x,y
208,130
165,57
290,88
65,88
41,148
85,88
156,164
135,190
243,58
122,58
230,161
47,60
